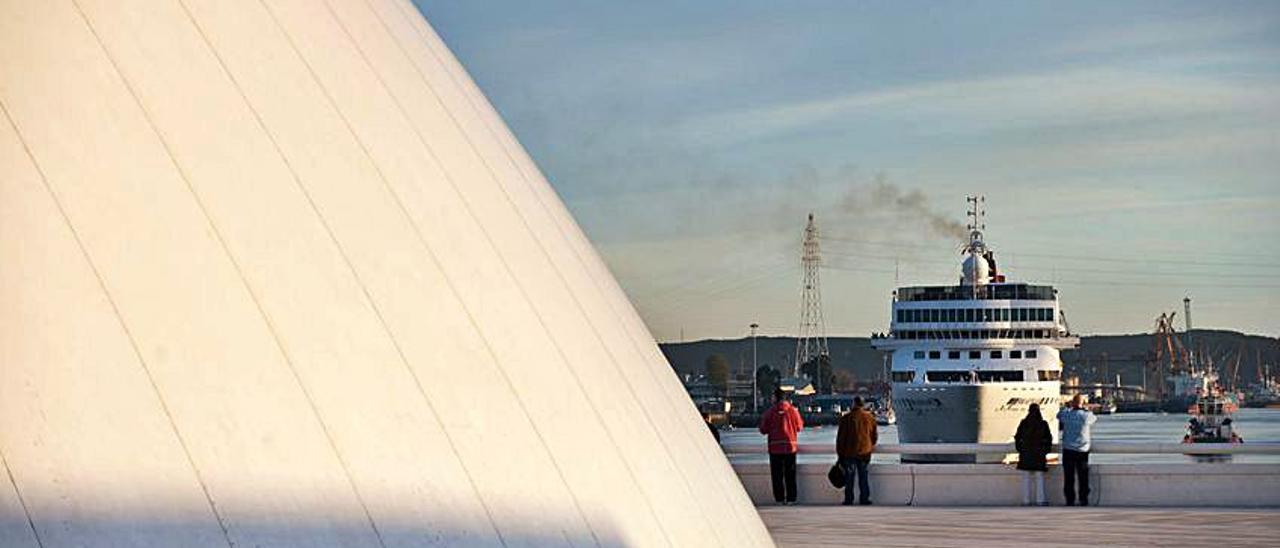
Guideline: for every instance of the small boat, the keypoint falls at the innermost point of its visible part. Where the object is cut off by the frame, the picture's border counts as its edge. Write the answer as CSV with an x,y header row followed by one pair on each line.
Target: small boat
x,y
1265,393
1212,421
885,416
1103,406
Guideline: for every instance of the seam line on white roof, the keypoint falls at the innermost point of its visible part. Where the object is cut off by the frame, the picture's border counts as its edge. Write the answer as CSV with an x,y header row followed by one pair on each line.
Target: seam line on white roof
x,y
115,310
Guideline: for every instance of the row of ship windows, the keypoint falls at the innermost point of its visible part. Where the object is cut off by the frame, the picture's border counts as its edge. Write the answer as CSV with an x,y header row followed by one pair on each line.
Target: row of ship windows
x,y
972,334
953,315
975,354
976,376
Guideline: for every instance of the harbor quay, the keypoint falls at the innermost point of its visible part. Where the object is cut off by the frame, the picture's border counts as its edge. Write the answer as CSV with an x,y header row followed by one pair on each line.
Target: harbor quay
x,y
1189,484
1132,504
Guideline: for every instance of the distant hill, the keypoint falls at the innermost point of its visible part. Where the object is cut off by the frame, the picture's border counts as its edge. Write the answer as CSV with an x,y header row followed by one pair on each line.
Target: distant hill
x,y
1125,354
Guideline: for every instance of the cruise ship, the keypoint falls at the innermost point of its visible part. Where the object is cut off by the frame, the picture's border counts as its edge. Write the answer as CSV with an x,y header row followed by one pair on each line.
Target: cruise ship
x,y
968,359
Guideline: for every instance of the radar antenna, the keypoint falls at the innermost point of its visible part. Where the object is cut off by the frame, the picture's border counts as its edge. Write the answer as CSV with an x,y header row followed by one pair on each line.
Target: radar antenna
x,y
977,223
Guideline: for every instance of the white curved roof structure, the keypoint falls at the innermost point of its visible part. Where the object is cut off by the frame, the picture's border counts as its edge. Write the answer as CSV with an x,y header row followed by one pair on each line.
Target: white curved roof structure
x,y
274,273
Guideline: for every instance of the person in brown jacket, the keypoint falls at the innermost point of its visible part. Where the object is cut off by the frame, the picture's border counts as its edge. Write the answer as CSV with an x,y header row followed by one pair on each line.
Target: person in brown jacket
x,y
855,440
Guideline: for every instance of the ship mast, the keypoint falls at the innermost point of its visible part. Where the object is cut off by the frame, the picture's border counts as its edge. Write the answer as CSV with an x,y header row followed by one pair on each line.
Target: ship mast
x,y
977,223
1188,344
975,267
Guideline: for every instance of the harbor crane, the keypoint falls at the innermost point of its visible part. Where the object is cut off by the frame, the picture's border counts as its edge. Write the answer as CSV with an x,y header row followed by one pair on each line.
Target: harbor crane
x,y
1168,355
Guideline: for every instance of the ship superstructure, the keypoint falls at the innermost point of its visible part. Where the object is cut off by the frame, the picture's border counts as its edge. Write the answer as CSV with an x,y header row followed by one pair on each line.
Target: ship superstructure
x,y
968,359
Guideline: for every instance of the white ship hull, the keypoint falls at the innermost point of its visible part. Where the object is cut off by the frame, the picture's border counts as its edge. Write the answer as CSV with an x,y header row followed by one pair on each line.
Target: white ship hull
x,y
969,413
967,361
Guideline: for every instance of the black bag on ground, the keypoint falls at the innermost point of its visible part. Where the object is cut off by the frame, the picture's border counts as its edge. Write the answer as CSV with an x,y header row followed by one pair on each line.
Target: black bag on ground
x,y
836,476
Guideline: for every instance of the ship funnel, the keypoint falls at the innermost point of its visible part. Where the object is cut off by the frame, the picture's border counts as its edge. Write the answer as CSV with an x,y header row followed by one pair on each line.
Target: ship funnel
x,y
976,270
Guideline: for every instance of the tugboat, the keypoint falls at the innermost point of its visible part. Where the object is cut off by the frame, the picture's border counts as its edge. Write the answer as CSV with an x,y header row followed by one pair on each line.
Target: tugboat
x,y
1212,421
884,414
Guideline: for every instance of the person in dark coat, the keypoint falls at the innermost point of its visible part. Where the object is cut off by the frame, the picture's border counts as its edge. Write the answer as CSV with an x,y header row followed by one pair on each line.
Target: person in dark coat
x,y
1033,441
855,440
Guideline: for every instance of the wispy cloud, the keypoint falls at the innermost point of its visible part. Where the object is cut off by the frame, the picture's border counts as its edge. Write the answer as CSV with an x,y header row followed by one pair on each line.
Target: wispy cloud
x,y
1076,96
1165,35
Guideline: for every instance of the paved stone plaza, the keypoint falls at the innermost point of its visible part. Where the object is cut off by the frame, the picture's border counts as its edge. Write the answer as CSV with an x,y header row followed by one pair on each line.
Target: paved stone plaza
x,y
1019,527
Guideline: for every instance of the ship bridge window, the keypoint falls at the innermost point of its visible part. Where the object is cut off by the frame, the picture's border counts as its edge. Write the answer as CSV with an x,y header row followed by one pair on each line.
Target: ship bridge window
x,y
1015,354
1050,375
1000,376
928,334
975,354
953,355
935,354
996,354
1031,354
904,376
948,376
919,355
964,293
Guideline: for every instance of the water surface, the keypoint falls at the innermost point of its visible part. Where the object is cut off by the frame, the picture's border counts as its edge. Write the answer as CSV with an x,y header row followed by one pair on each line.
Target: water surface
x,y
1253,425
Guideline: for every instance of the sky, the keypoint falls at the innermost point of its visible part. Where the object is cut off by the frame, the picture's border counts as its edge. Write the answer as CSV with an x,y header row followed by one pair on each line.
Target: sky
x,y
1129,152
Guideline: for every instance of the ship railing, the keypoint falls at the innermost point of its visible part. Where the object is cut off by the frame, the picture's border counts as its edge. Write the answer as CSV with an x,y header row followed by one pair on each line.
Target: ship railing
x,y
1127,448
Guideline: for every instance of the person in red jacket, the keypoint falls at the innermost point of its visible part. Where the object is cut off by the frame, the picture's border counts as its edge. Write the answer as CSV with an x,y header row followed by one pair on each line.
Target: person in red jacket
x,y
782,423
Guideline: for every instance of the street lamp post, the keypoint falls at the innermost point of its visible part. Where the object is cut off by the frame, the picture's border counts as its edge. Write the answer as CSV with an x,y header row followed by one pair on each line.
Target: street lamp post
x,y
755,372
